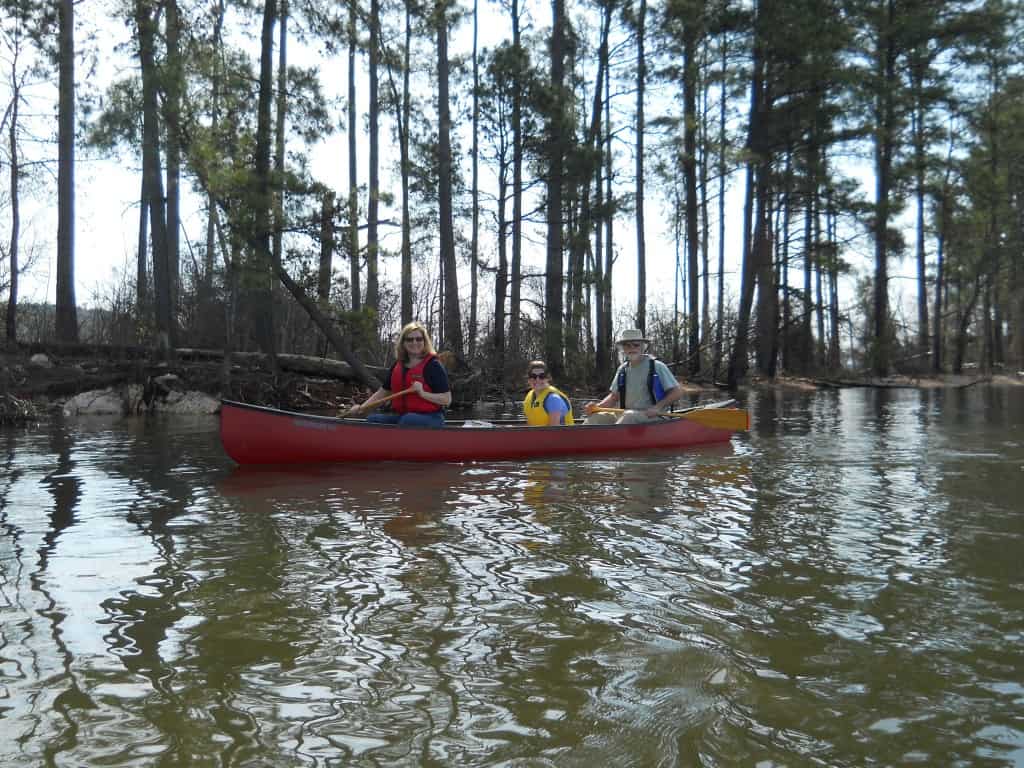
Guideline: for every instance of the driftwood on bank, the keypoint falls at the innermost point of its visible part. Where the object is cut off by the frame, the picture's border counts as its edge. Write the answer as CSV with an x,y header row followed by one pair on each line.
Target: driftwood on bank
x,y
304,364
59,371
921,382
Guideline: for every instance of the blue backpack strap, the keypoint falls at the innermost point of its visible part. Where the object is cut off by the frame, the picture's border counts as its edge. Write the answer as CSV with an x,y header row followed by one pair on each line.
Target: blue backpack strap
x,y
654,385
622,385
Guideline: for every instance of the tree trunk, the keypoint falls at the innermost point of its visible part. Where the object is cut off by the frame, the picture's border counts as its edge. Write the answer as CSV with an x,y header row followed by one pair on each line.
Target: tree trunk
x,y
11,324
722,136
67,310
474,246
353,179
831,227
142,303
940,276
404,122
692,203
641,243
606,361
885,140
679,276
261,304
738,359
920,166
515,276
705,223
810,256
152,180
452,314
767,292
582,227
501,276
819,267
373,204
279,130
324,324
964,314
209,306
556,130
323,282
786,352
987,334
172,111
1016,319
602,353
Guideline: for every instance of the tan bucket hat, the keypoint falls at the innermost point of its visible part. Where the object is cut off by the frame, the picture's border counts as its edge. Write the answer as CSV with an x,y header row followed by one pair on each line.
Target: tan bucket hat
x,y
632,334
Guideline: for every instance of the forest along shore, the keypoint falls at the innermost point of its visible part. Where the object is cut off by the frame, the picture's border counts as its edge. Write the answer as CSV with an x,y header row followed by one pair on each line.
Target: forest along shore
x,y
92,379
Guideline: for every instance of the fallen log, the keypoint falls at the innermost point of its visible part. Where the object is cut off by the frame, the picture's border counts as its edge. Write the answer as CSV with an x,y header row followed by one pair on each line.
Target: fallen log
x,y
304,364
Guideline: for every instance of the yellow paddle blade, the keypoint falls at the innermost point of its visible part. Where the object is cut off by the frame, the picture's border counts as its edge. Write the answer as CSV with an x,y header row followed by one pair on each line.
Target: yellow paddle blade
x,y
734,419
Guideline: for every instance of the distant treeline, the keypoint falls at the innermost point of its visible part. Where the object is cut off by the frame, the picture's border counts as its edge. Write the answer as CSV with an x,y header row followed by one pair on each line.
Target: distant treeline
x,y
510,169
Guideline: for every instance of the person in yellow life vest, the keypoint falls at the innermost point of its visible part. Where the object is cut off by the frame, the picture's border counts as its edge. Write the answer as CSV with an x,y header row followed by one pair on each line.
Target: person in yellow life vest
x,y
545,405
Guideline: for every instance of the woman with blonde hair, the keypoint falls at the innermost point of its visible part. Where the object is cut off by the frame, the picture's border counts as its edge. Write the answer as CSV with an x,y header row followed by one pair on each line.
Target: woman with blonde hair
x,y
417,383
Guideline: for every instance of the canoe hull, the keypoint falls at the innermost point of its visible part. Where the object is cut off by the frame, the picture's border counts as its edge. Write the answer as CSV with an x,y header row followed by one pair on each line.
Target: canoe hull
x,y
254,434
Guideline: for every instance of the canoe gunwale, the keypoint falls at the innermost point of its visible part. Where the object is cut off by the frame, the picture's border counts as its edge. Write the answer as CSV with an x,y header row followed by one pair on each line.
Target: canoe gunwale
x,y
451,424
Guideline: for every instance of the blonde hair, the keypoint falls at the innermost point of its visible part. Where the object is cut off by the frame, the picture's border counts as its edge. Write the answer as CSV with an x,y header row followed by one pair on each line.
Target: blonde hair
x,y
428,345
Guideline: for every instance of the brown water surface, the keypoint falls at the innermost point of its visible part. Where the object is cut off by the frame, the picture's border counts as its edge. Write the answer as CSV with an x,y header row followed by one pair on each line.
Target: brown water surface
x,y
842,586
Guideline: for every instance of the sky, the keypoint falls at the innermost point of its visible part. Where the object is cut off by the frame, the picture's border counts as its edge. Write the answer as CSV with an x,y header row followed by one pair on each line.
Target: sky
x,y
108,190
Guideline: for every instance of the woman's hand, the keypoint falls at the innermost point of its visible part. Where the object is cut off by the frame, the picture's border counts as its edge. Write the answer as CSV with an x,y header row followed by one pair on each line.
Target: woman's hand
x,y
417,387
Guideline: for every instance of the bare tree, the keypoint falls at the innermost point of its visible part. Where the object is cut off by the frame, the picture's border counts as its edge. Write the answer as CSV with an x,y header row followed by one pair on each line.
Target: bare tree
x,y
67,311
373,204
452,314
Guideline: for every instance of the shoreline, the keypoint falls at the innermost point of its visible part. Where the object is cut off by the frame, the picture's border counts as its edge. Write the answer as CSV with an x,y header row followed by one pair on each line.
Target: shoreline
x,y
33,382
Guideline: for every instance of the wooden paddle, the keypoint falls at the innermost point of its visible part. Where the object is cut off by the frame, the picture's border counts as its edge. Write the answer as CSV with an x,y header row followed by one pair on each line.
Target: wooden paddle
x,y
734,419
359,409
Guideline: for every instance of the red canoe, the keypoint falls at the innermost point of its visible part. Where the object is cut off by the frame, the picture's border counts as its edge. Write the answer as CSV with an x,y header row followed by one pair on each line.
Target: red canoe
x,y
253,434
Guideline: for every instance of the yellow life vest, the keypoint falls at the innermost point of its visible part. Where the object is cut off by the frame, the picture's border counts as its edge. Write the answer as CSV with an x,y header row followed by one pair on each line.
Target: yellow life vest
x,y
533,407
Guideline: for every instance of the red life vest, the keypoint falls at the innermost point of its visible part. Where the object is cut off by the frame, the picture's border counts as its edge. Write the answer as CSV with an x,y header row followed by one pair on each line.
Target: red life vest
x,y
402,378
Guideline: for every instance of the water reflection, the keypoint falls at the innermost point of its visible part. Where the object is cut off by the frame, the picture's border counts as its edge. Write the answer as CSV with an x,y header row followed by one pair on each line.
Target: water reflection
x,y
410,497
839,587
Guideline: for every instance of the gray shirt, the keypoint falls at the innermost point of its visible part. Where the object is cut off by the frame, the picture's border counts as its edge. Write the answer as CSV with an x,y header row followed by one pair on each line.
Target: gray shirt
x,y
637,395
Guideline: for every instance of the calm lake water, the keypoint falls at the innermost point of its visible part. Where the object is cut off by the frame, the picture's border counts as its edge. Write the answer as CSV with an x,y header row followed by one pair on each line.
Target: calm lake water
x,y
842,586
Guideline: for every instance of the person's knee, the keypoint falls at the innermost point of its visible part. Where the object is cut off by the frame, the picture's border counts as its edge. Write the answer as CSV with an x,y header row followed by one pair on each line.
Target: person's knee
x,y
633,417
600,418
423,419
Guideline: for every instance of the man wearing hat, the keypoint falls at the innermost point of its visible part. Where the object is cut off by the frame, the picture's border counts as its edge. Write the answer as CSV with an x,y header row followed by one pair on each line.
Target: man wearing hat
x,y
643,387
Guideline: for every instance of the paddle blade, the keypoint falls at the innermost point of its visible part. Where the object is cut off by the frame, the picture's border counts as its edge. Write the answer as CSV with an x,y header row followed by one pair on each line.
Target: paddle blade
x,y
733,419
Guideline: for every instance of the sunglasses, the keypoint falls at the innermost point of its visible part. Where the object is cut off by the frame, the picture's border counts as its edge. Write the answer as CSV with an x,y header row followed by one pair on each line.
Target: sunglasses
x,y
536,376
632,344
414,339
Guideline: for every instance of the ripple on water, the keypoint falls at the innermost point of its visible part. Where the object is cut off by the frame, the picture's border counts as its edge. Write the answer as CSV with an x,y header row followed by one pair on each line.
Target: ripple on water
x,y
839,587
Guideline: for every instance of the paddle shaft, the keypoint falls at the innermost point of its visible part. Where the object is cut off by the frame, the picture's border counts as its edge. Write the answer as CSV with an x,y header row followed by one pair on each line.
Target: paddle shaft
x,y
361,408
